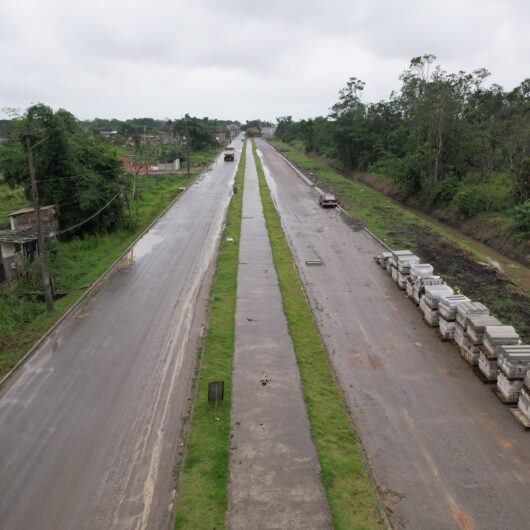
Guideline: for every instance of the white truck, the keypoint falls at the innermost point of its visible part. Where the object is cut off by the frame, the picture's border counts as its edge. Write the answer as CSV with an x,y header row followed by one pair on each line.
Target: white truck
x,y
229,154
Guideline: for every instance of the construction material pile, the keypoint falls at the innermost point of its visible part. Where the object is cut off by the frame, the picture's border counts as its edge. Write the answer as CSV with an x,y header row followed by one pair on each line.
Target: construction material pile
x,y
513,362
494,338
447,308
523,405
493,349
474,334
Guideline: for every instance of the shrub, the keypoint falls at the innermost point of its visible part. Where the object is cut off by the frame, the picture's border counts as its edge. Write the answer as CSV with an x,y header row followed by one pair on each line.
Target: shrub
x,y
521,218
469,201
444,191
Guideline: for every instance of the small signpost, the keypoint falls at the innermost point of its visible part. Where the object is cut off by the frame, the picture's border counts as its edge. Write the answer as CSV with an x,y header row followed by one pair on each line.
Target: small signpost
x,y
216,392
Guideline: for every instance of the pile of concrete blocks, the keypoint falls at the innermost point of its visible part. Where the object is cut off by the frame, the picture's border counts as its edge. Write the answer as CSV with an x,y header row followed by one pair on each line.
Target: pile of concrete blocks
x,y
513,362
429,302
495,350
494,338
418,289
523,404
404,264
447,314
463,311
473,336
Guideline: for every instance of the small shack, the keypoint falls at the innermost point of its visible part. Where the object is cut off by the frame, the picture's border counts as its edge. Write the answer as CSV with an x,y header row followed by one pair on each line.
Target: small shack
x,y
20,243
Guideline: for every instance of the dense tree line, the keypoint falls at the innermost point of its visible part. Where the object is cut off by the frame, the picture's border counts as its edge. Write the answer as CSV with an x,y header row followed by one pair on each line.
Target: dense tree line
x,y
77,170
444,137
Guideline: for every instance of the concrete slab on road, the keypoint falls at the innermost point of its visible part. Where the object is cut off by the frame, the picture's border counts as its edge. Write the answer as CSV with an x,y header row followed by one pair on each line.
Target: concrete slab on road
x,y
90,424
274,468
444,452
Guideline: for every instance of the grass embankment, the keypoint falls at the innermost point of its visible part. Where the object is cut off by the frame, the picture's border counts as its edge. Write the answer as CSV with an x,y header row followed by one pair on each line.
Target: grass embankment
x,y
203,495
349,491
76,265
399,228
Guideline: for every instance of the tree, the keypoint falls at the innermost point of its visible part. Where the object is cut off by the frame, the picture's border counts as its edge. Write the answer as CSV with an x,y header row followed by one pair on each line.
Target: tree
x,y
77,171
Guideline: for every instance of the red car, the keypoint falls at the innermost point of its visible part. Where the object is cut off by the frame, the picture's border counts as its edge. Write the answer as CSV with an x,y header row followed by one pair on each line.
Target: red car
x,y
326,200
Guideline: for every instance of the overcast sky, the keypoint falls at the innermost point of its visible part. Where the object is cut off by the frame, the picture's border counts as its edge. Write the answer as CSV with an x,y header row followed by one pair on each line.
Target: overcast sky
x,y
235,59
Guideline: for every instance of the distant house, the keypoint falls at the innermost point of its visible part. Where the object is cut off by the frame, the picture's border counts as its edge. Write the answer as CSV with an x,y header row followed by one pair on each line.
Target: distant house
x,y
220,137
253,131
108,135
145,169
20,242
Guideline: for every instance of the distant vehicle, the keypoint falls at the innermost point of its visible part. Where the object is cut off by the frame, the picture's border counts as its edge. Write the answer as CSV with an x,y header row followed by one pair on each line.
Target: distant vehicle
x,y
326,200
229,154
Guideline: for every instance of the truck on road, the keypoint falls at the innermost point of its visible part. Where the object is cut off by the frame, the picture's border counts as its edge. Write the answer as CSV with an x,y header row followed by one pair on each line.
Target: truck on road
x,y
229,154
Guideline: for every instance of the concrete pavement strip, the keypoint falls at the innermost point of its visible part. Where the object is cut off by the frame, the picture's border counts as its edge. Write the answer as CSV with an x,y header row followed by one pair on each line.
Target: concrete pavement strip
x,y
274,468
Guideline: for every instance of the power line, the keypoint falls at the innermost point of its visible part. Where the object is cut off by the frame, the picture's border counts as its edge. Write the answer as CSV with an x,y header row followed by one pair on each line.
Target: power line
x,y
59,232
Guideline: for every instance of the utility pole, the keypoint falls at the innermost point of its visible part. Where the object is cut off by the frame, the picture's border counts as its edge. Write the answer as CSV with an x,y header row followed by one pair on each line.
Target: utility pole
x,y
187,144
48,295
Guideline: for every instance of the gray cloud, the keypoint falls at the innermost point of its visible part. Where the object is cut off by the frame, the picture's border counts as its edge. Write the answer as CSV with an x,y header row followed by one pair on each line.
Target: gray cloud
x,y
236,59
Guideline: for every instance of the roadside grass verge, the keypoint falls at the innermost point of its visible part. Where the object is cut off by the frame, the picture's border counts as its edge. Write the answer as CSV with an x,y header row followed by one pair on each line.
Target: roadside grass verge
x,y
74,267
349,490
452,257
203,495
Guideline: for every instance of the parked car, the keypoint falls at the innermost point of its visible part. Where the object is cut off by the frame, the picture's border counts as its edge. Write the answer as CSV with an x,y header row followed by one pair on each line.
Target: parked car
x,y
326,200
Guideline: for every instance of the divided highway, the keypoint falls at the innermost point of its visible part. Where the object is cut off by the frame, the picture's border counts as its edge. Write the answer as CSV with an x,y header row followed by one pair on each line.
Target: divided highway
x,y
89,425
444,452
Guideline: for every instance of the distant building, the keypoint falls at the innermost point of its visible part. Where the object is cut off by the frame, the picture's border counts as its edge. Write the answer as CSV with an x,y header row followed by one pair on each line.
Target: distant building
x,y
220,137
108,135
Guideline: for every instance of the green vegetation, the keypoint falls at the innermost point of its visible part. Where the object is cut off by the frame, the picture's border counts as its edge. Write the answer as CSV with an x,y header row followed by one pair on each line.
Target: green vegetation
x,y
203,493
349,491
11,199
74,265
444,143
451,256
76,171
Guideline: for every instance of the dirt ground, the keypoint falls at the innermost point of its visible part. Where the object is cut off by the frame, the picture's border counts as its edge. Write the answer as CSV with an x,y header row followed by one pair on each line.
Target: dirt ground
x,y
478,281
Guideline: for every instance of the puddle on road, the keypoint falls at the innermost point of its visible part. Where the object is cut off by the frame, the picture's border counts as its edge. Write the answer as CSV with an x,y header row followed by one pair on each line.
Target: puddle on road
x,y
145,246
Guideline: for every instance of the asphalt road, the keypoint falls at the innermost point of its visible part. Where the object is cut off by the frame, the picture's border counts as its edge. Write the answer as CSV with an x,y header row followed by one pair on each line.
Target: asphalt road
x,y
89,426
444,452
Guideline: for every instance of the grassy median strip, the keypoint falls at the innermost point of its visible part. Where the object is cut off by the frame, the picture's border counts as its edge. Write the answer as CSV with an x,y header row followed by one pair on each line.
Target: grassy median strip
x,y
349,491
203,492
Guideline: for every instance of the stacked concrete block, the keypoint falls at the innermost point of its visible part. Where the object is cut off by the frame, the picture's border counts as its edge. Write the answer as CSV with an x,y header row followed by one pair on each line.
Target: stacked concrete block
x,y
447,314
404,264
494,338
463,311
513,362
524,397
430,300
420,284
473,336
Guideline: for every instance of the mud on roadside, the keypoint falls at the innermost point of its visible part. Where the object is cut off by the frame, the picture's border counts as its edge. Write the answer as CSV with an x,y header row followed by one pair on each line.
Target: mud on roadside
x,y
478,281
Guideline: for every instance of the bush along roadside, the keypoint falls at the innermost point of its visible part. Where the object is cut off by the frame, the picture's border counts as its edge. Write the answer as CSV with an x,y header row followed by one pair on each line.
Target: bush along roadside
x,y
400,228
349,490
203,492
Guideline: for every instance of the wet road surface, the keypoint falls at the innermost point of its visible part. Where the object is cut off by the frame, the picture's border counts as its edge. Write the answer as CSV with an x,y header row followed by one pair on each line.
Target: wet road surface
x,y
274,469
89,425
444,451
